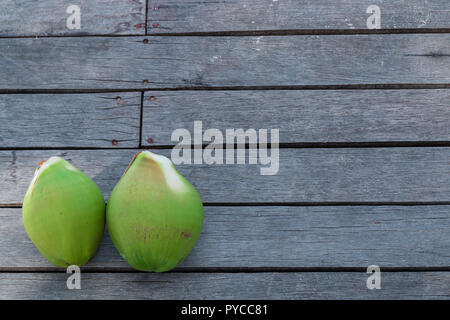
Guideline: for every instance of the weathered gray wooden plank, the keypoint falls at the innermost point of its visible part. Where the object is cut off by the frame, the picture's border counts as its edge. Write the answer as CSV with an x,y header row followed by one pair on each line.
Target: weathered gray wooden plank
x,y
49,18
70,120
310,285
129,62
303,116
304,175
234,15
348,236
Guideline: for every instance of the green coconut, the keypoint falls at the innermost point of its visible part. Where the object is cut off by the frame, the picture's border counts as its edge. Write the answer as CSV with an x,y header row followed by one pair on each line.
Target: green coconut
x,y
64,213
154,215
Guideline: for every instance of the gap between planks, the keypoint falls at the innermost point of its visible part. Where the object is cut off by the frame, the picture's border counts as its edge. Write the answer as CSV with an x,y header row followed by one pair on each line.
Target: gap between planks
x,y
146,17
284,145
227,269
244,33
298,204
384,86
141,116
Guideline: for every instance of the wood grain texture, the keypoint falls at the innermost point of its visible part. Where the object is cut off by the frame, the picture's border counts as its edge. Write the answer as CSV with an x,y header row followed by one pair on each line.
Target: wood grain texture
x,y
305,175
303,116
70,120
173,62
234,15
311,285
347,236
48,18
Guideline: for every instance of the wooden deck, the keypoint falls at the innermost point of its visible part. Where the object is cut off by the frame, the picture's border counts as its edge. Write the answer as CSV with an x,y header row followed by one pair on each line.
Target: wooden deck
x,y
364,120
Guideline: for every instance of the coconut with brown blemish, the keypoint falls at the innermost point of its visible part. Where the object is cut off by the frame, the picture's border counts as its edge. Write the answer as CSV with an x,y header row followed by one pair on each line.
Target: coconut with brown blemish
x,y
154,215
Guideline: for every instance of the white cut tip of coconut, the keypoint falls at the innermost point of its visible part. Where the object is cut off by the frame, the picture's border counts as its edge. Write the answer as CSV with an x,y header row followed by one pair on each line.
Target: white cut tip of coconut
x,y
172,177
47,164
44,166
